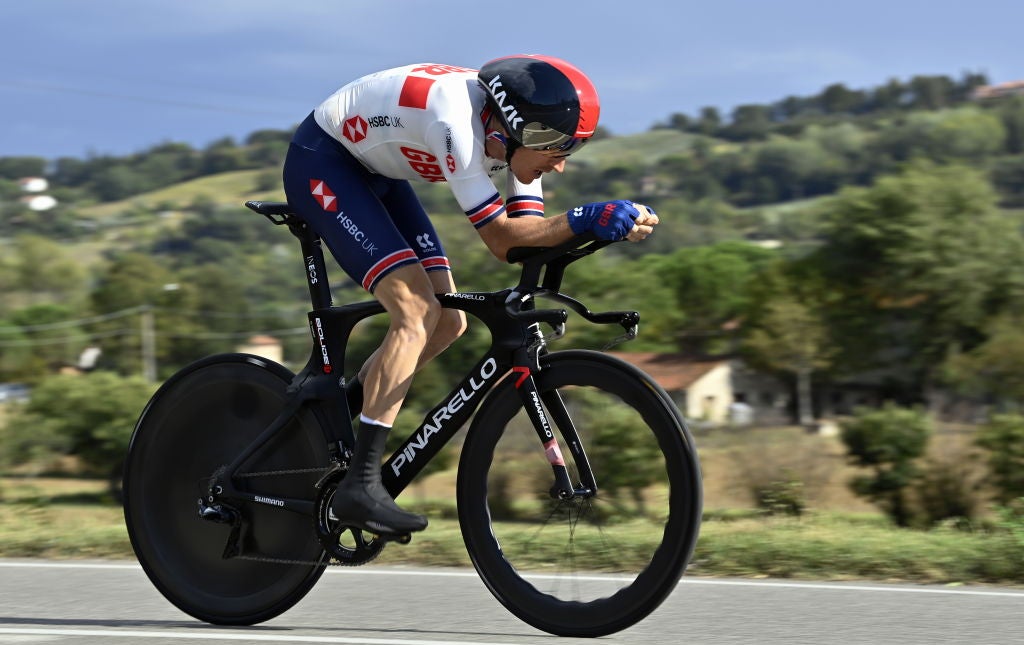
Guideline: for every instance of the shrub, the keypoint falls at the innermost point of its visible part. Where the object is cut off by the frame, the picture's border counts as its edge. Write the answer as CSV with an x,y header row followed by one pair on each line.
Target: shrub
x,y
783,496
1011,520
888,441
780,470
1003,437
90,416
946,490
38,444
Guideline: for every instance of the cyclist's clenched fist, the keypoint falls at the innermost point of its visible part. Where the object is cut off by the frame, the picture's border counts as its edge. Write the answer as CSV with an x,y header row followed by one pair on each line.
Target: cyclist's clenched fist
x,y
614,220
644,224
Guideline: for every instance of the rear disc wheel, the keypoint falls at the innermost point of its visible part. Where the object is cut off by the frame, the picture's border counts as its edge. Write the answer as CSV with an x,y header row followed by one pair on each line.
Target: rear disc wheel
x,y
196,423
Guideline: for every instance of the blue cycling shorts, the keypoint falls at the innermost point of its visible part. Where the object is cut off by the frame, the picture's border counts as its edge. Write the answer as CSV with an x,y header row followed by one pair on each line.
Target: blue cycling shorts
x,y
371,224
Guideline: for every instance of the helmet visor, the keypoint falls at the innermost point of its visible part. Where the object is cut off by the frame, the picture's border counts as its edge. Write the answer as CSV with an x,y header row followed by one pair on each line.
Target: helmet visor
x,y
538,136
572,145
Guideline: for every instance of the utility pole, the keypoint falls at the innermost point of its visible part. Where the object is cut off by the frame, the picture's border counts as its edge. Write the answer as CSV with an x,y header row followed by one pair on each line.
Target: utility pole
x,y
148,344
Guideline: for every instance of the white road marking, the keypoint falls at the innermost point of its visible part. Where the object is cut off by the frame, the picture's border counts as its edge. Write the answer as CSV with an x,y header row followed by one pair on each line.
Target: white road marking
x,y
220,636
441,573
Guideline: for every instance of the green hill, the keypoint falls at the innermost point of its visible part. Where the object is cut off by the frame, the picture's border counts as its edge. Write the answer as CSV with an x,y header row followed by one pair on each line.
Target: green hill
x,y
233,188
229,188
644,148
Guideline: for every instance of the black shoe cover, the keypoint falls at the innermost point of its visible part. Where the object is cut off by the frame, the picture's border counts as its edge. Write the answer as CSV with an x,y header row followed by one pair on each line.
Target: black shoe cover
x,y
361,499
372,509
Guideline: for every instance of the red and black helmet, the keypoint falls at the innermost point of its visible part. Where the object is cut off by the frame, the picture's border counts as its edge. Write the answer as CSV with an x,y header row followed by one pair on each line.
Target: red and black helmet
x,y
543,102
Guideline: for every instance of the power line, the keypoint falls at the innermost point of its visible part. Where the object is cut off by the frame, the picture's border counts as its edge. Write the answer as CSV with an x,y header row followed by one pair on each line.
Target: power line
x,y
67,339
146,333
225,314
142,310
80,322
293,331
131,311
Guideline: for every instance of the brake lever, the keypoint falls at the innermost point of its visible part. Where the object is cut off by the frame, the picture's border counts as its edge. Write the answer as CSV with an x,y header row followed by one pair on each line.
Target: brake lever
x,y
631,332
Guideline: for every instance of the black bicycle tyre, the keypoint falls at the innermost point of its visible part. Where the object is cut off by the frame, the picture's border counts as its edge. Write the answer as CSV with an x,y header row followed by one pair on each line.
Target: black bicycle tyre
x,y
637,599
197,421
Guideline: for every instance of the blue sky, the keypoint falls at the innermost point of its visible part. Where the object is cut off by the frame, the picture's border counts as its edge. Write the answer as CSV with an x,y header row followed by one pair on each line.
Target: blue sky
x,y
82,78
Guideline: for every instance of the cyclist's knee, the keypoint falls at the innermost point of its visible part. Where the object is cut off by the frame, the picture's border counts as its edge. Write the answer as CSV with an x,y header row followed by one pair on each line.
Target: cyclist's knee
x,y
450,326
410,302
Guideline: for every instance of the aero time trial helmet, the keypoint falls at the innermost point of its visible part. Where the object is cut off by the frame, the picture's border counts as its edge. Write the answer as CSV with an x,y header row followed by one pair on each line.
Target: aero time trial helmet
x,y
543,102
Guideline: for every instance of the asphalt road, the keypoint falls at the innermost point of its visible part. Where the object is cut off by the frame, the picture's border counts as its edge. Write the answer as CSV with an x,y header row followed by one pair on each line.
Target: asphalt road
x,y
74,603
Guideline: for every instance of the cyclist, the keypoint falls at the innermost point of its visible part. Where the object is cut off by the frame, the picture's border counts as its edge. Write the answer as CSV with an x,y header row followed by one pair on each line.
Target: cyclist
x,y
347,175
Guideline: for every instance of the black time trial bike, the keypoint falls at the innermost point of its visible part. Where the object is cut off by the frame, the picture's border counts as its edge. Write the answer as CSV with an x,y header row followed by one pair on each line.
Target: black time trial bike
x,y
578,488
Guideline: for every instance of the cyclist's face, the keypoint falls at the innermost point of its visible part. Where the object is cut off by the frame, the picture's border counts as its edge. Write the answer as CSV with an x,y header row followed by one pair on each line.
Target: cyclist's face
x,y
528,164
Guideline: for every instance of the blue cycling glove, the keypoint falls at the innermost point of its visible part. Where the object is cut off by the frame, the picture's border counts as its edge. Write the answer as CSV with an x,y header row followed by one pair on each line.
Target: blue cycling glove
x,y
608,220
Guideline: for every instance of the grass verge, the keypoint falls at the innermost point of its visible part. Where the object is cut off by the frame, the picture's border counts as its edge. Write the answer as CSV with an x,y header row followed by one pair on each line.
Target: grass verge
x,y
65,520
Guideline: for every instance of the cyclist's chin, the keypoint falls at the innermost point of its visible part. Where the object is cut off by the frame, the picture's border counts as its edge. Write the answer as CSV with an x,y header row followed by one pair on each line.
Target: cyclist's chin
x,y
527,176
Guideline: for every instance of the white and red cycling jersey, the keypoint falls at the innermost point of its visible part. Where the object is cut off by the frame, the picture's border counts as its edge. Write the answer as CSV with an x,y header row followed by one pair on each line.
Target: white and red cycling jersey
x,y
423,122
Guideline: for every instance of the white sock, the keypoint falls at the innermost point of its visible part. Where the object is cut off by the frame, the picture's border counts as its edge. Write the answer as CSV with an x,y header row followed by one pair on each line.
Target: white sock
x,y
373,422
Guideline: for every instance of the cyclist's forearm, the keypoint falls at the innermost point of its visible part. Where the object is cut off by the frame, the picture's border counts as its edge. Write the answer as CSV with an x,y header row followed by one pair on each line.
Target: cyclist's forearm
x,y
505,233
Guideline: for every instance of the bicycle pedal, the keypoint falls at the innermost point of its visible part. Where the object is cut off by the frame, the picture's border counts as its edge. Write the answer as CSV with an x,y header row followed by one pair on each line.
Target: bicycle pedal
x,y
401,538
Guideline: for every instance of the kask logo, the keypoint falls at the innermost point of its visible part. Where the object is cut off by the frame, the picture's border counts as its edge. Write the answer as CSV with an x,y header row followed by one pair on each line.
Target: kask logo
x,y
511,113
324,195
355,129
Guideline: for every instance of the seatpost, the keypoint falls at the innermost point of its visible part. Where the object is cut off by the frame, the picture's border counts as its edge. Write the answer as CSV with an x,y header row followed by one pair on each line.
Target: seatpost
x,y
316,270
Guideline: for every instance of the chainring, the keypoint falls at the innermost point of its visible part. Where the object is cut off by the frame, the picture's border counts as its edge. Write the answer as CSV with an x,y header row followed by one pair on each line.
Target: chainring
x,y
348,545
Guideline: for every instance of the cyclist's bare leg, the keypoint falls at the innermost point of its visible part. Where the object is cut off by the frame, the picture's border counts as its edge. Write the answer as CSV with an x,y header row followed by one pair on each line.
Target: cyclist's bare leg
x,y
450,327
361,499
408,296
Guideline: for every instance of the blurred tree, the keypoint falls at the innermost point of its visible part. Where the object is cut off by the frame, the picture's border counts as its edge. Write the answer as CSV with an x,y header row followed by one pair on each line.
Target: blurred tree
x,y
1011,112
54,341
605,283
994,368
9,190
1008,178
222,156
269,136
709,121
921,260
620,449
967,133
680,121
968,82
792,107
208,313
847,162
15,352
791,165
90,416
42,270
132,281
908,138
748,122
21,167
71,171
932,92
838,99
713,286
791,337
118,182
891,96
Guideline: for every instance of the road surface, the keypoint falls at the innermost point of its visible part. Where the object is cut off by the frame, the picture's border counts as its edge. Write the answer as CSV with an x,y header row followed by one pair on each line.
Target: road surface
x,y
113,603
